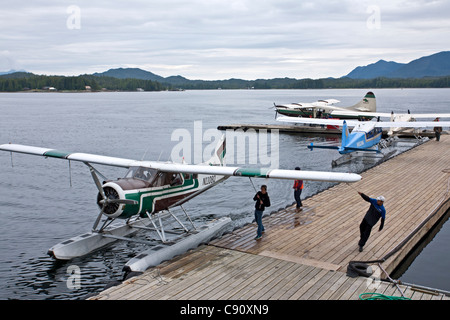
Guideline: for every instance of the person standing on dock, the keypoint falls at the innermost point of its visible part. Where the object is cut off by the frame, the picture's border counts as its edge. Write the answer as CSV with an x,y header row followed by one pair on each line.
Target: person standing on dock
x,y
375,212
262,201
437,131
298,187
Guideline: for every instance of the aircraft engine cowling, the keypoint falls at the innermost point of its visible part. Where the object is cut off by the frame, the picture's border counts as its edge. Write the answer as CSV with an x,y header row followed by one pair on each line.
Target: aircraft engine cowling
x,y
113,209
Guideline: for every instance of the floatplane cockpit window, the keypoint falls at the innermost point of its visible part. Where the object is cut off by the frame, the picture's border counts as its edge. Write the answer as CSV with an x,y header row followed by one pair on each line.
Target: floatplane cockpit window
x,y
176,179
167,178
154,177
146,174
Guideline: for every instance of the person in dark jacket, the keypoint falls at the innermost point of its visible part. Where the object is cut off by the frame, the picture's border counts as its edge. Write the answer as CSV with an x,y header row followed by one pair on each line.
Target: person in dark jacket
x,y
437,131
262,201
375,212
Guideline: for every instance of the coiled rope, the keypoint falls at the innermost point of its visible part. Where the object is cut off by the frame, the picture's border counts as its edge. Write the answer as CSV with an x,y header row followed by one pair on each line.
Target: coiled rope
x,y
379,296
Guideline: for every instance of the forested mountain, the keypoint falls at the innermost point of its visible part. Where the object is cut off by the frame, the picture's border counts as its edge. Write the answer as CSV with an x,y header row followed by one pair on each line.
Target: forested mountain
x,y
130,73
435,65
427,72
374,70
28,81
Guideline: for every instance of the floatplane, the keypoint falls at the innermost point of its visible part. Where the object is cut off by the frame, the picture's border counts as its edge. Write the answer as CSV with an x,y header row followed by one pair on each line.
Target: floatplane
x,y
393,117
149,189
327,109
366,136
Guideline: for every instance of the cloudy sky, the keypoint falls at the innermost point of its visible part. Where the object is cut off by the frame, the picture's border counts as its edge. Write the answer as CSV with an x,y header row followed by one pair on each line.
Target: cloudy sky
x,y
218,39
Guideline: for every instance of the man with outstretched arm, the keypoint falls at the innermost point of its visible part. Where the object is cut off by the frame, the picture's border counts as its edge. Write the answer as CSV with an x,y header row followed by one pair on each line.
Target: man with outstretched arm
x,y
375,212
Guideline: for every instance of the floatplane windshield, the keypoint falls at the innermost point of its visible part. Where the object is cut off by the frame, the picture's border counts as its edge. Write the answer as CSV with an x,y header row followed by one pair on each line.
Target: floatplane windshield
x,y
365,135
151,187
326,108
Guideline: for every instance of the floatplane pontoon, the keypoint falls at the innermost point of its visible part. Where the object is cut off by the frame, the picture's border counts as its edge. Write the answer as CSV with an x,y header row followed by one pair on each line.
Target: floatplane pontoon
x,y
143,200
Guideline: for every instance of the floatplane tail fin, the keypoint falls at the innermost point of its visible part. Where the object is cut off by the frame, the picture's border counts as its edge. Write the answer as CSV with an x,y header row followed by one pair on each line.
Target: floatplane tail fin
x,y
367,104
218,158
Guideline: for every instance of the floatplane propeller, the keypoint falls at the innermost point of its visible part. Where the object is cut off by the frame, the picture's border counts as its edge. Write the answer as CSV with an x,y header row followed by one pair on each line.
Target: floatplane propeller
x,y
109,198
149,190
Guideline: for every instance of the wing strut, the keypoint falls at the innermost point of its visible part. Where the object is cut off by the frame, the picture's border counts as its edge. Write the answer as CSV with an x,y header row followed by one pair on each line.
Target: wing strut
x,y
253,184
181,224
161,233
188,218
70,174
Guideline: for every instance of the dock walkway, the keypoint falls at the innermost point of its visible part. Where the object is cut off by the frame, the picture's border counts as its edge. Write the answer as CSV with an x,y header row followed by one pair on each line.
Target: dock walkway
x,y
305,255
317,129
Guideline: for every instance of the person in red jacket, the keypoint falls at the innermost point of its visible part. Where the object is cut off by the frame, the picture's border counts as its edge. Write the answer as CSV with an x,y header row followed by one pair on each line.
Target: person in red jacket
x,y
298,188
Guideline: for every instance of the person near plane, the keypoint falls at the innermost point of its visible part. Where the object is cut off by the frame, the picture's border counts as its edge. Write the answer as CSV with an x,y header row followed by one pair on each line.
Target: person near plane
x,y
375,212
298,187
262,201
437,131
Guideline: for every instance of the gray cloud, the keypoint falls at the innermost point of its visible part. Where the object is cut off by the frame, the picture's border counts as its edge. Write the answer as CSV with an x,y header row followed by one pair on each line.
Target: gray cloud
x,y
212,39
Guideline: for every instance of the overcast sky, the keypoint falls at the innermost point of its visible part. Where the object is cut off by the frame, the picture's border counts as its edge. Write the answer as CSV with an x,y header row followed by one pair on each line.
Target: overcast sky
x,y
218,39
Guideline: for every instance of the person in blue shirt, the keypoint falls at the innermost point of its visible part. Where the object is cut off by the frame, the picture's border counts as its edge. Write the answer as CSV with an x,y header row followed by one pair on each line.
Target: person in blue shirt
x,y
375,212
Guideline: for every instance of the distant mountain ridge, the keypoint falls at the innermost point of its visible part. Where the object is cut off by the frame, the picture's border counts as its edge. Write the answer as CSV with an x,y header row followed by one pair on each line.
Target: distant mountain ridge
x,y
129,73
136,73
375,70
2,73
435,65
427,72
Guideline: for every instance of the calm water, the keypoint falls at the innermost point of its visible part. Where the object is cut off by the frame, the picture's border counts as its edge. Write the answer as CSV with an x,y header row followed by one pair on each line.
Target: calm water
x,y
40,208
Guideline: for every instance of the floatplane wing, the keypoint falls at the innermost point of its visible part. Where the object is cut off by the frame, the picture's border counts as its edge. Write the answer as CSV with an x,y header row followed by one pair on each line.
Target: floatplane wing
x,y
333,122
212,169
350,113
411,124
306,105
354,123
311,105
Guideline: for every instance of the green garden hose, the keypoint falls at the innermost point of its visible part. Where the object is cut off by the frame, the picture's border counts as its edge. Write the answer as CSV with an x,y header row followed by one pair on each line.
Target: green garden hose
x,y
379,296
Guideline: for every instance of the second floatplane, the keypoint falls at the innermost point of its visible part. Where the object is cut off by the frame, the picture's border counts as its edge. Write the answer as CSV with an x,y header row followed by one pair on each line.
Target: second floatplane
x,y
365,135
326,108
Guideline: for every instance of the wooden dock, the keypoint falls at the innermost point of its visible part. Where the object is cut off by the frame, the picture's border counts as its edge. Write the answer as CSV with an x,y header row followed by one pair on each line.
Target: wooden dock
x,y
317,129
305,255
